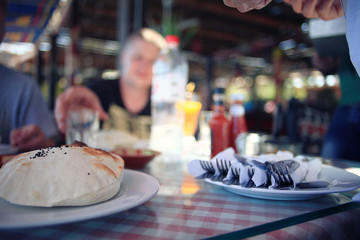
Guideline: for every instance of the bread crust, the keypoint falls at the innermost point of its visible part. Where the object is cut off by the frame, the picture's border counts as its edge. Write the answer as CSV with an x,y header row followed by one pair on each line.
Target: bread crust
x,y
71,175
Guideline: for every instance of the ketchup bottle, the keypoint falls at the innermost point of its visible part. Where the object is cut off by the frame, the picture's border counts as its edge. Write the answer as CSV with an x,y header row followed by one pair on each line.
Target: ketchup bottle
x,y
237,121
219,124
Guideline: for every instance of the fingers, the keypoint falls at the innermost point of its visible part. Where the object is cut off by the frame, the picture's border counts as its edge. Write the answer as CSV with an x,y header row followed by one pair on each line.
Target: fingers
x,y
35,142
259,4
297,5
61,112
102,114
240,5
20,134
76,98
244,8
228,3
324,9
310,9
330,9
246,5
306,8
28,138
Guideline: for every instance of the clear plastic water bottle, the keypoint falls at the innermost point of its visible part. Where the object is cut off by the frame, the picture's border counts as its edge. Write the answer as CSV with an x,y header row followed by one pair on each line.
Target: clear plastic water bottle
x,y
170,76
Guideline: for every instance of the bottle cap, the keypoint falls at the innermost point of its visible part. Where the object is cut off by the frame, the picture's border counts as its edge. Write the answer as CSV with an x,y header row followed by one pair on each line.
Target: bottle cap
x,y
172,39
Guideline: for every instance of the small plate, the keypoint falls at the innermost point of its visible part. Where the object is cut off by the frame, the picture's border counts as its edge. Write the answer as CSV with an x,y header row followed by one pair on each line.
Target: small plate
x,y
136,188
339,181
135,158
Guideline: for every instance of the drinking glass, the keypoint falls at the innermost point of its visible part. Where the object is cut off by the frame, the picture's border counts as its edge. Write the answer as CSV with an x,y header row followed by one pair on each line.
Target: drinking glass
x,y
191,111
82,125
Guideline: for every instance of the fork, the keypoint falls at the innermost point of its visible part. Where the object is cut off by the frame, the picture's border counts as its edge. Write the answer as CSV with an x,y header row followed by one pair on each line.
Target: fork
x,y
235,179
208,167
284,173
223,169
281,172
250,183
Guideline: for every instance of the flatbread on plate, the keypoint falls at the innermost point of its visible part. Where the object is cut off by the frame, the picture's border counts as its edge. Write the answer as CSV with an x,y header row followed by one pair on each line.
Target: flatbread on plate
x,y
61,176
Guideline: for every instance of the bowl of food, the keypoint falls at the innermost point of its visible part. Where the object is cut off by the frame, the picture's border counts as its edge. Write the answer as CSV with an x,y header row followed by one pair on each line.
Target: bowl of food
x,y
135,158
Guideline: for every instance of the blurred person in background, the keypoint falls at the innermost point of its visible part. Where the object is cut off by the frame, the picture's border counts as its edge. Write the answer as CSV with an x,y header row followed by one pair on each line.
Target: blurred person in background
x,y
25,120
123,104
342,139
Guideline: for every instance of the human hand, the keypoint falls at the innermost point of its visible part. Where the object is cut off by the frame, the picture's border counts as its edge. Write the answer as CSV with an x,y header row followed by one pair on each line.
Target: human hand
x,y
246,5
75,98
28,138
324,9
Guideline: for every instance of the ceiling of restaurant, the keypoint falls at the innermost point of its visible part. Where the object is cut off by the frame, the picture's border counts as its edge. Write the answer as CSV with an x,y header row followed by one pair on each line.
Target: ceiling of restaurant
x,y
218,28
210,27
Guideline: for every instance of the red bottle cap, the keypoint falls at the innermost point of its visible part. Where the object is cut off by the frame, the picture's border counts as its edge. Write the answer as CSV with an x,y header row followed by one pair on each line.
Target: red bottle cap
x,y
172,39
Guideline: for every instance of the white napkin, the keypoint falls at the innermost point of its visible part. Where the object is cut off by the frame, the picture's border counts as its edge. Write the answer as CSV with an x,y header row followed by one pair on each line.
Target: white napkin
x,y
228,155
230,174
244,177
308,170
313,170
260,177
300,173
195,169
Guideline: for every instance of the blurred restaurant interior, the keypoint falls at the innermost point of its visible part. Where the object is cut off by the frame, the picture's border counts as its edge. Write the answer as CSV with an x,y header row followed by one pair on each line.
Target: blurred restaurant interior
x,y
265,55
246,163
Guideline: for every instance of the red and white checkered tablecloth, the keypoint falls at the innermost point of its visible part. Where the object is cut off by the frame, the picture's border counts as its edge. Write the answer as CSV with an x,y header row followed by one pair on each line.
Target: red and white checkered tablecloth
x,y
185,208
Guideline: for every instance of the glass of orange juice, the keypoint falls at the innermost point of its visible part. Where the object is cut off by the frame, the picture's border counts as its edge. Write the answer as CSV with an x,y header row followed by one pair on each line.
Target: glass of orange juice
x,y
191,110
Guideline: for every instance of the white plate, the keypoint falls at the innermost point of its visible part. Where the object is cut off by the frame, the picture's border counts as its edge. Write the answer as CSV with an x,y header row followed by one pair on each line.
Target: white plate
x,y
136,188
7,149
339,181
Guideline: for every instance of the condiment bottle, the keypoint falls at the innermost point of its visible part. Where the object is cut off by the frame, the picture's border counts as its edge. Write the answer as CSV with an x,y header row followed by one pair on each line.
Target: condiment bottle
x,y
218,123
237,121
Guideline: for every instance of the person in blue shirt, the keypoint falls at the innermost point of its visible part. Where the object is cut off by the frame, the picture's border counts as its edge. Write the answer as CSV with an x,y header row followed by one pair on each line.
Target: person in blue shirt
x,y
25,120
